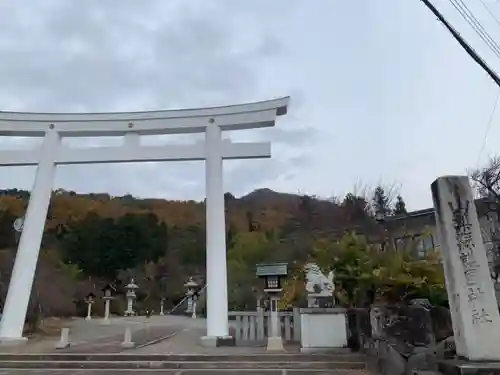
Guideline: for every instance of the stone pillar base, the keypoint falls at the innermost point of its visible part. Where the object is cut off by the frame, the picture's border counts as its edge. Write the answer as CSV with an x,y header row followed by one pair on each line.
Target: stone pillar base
x,y
461,367
274,344
13,341
315,350
217,341
63,345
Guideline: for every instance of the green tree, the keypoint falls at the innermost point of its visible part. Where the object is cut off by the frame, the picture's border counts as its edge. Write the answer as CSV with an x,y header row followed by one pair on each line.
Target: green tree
x,y
400,206
249,249
380,203
230,233
363,274
102,246
188,246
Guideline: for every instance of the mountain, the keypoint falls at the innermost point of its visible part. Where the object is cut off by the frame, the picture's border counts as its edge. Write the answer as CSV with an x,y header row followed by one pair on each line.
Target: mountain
x,y
266,196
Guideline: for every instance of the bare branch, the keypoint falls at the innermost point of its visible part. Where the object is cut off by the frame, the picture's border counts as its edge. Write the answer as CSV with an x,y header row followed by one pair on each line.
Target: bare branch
x,y
486,180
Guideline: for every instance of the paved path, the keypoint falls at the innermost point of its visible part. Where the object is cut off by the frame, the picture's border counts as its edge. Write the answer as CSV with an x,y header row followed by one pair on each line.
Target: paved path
x,y
175,335
144,331
187,341
95,337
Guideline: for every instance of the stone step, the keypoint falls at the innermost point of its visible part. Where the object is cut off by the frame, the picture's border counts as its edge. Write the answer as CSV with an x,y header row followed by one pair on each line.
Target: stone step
x,y
112,357
183,365
187,372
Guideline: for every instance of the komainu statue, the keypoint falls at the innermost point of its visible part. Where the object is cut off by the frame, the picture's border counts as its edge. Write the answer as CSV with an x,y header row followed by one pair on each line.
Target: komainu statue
x,y
318,286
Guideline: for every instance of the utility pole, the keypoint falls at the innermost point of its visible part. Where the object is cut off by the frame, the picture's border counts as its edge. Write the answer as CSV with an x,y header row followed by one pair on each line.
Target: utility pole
x,y
472,53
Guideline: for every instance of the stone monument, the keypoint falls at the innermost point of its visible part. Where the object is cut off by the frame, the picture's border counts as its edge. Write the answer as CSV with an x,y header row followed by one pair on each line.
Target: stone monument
x,y
319,287
473,308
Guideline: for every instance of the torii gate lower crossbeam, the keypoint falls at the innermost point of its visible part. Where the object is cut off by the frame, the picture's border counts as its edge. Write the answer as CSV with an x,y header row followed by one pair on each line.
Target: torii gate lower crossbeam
x,y
211,121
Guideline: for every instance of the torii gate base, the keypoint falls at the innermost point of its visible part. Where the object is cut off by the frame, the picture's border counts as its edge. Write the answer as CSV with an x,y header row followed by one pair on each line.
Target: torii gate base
x,y
53,127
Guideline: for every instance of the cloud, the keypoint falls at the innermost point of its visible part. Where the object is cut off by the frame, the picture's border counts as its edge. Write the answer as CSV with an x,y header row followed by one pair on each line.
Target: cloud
x,y
379,90
93,56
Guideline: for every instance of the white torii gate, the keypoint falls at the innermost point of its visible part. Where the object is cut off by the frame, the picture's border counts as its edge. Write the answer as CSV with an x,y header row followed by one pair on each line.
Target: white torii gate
x,y
131,125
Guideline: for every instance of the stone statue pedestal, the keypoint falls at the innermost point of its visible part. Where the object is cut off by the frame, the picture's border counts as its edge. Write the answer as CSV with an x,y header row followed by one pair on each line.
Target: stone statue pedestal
x,y
319,300
322,329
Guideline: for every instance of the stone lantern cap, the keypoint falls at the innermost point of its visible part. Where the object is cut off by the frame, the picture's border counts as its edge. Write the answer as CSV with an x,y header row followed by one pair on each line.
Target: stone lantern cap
x,y
191,283
90,297
108,287
132,285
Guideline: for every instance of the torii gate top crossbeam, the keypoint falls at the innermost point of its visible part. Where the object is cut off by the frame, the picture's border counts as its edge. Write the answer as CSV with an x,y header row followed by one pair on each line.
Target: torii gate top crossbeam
x,y
235,117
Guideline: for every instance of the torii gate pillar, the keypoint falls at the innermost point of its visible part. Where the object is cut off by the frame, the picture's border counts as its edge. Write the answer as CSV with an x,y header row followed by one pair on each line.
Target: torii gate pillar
x,y
217,308
23,273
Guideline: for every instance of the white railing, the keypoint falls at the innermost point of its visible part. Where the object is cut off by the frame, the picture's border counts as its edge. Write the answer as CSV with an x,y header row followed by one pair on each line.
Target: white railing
x,y
253,325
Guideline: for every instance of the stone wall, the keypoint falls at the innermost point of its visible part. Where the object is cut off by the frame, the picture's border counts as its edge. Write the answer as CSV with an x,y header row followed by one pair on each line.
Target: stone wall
x,y
402,339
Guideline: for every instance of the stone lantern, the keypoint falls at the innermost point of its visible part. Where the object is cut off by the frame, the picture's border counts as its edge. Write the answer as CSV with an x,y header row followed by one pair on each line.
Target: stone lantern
x,y
108,291
131,296
272,275
192,296
89,300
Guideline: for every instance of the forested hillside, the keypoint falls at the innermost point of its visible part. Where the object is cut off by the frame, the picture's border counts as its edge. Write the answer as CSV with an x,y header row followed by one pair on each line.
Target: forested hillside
x,y
92,239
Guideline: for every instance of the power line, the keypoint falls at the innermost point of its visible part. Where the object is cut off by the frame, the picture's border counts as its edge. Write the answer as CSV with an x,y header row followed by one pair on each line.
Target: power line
x,y
488,128
478,24
486,37
490,11
474,23
470,51
469,17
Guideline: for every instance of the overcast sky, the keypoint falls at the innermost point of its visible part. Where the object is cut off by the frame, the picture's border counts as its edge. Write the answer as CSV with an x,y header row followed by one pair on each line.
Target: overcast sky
x,y
381,93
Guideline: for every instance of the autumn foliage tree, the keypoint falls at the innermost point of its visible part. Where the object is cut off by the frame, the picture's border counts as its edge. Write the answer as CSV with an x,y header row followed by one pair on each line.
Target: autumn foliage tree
x,y
95,238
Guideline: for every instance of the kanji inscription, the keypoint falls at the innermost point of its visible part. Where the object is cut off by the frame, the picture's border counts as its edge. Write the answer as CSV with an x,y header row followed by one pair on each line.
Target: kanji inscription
x,y
471,268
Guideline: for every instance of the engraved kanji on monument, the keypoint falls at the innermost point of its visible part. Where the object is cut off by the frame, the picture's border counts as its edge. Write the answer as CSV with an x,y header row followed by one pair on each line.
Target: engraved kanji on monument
x,y
473,307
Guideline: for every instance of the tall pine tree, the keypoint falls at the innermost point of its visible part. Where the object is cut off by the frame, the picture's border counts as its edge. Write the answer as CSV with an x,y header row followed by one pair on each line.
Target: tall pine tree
x,y
380,203
400,206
